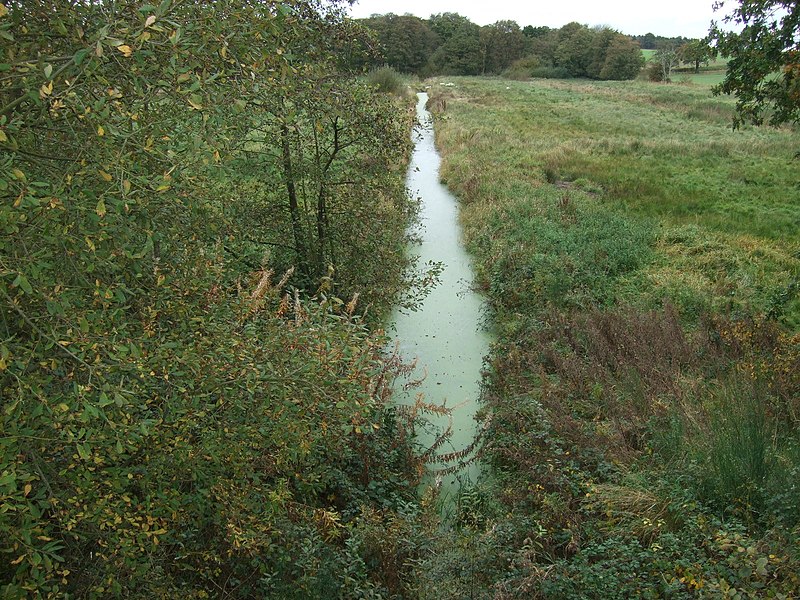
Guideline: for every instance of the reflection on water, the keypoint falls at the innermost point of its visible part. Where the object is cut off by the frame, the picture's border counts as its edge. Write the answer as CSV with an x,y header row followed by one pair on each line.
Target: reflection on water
x,y
445,333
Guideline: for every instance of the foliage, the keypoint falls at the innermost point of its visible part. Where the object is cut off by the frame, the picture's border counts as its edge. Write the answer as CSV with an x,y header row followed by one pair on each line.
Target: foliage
x,y
176,422
500,45
387,80
621,60
460,49
406,41
574,49
453,45
640,404
522,68
666,59
696,52
764,70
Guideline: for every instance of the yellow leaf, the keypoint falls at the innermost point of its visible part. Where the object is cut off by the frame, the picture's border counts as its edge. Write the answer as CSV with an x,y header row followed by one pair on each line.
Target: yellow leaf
x,y
90,243
104,175
163,187
125,49
19,175
126,186
21,558
3,10
150,20
3,137
46,89
100,131
27,489
100,209
195,104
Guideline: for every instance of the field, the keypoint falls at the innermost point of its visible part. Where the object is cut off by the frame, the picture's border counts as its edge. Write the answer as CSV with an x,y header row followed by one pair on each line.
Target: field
x,y
722,204
641,261
710,74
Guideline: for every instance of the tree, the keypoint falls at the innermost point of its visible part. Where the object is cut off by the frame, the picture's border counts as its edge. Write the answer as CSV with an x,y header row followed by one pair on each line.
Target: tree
x,y
574,50
623,59
406,42
666,57
696,52
764,66
535,32
460,52
501,44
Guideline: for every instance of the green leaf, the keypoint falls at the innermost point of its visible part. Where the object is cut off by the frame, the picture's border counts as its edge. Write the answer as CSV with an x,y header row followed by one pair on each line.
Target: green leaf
x,y
83,451
22,282
80,56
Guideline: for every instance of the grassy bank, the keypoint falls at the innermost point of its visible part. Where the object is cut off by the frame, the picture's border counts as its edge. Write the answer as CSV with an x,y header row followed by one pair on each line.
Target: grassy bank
x,y
642,268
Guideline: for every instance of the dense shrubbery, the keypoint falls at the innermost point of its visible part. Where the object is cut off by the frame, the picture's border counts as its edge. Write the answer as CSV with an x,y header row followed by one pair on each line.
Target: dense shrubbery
x,y
176,421
386,79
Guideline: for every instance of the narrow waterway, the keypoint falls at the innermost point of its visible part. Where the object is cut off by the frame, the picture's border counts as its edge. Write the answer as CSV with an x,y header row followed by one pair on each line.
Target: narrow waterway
x,y
445,335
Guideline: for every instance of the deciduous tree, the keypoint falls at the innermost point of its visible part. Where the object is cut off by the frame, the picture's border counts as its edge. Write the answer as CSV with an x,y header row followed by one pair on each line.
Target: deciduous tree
x,y
764,66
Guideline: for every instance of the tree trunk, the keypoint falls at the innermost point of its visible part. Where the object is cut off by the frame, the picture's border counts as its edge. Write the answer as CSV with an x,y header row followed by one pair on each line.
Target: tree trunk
x,y
294,209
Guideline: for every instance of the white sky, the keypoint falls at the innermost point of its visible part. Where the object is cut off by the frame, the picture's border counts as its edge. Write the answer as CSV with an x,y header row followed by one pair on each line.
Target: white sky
x,y
689,18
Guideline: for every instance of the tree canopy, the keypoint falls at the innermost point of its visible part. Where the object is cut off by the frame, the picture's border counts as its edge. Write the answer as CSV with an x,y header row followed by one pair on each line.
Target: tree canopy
x,y
449,43
764,66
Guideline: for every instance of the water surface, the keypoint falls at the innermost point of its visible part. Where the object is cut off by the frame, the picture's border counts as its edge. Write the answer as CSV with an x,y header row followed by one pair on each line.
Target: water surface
x,y
445,333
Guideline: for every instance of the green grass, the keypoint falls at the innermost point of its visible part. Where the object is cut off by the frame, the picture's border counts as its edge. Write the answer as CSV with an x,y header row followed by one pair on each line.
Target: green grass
x,y
641,261
724,204
705,78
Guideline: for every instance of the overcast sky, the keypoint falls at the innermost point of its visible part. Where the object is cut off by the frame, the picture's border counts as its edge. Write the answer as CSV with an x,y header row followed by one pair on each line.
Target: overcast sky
x,y
689,18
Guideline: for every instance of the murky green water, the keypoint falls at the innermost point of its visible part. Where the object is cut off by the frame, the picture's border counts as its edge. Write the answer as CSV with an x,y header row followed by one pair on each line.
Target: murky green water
x,y
445,334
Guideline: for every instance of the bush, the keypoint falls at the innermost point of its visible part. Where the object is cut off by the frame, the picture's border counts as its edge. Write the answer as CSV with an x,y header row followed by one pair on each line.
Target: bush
x,y
654,72
387,80
522,67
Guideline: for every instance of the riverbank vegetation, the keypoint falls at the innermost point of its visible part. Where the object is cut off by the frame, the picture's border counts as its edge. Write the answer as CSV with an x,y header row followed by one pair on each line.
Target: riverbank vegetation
x,y
203,227
641,262
202,221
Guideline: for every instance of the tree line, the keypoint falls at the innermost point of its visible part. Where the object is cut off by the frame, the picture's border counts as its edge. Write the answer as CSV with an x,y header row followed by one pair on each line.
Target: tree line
x,y
451,44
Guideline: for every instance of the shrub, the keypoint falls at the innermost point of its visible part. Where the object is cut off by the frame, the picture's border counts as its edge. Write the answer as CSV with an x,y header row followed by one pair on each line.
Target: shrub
x,y
522,67
387,80
654,72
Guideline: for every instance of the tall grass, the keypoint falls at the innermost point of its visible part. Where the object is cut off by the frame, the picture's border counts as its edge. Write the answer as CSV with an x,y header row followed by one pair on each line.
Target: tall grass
x,y
738,449
641,260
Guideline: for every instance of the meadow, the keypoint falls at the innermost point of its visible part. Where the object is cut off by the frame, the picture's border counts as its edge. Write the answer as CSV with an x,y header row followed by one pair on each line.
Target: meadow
x,y
641,262
709,75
